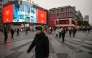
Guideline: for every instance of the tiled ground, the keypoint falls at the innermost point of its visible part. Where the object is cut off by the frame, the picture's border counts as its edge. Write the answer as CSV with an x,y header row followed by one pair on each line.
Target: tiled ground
x,y
17,47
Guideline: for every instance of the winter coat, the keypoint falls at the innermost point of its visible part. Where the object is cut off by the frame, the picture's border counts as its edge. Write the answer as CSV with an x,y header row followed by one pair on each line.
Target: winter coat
x,y
41,44
5,32
12,31
57,31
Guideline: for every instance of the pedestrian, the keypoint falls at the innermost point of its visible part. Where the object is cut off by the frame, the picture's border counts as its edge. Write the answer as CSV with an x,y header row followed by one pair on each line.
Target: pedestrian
x,y
74,31
12,33
60,32
41,44
70,31
63,34
57,32
50,30
5,34
26,30
17,31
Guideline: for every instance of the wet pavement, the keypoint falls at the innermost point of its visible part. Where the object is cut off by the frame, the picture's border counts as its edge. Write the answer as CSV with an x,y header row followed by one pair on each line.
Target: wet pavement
x,y
79,46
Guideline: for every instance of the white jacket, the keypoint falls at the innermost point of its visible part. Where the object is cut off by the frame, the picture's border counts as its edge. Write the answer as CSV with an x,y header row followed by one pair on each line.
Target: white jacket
x,y
60,30
57,31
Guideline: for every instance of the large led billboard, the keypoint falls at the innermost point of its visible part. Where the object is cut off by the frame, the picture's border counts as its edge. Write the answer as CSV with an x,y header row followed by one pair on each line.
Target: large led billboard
x,y
42,17
8,14
24,13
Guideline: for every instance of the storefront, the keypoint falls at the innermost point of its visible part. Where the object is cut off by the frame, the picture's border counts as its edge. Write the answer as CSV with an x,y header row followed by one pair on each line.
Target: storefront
x,y
68,22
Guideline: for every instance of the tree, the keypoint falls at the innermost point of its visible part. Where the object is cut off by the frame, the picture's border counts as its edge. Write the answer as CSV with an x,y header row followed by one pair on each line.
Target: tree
x,y
84,23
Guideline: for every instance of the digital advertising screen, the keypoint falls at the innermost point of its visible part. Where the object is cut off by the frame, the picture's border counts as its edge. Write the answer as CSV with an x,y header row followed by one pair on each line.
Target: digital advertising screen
x,y
8,14
33,14
42,17
25,13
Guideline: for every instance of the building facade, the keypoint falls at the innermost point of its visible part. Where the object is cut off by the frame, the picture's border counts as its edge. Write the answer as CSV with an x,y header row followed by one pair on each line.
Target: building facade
x,y
63,16
63,12
86,18
79,16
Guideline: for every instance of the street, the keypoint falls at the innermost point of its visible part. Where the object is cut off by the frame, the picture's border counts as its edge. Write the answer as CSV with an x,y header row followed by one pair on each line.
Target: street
x,y
79,46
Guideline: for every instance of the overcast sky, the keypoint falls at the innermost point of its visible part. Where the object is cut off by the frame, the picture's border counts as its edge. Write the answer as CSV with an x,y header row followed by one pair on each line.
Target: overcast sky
x,y
85,6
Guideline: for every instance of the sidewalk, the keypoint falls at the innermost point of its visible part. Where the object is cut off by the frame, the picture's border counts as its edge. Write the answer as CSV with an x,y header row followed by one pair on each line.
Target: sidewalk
x,y
18,46
71,43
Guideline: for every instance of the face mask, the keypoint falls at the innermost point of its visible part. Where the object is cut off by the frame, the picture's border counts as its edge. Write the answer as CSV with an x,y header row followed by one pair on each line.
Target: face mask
x,y
38,31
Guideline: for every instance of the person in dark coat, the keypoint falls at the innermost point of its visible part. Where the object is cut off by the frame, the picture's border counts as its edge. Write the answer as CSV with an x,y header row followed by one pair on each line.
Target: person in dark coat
x,y
74,31
17,31
70,32
41,44
63,34
12,32
5,34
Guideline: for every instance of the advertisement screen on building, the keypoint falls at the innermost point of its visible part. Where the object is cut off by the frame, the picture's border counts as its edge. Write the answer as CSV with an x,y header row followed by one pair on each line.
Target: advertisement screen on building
x,y
42,17
8,14
24,13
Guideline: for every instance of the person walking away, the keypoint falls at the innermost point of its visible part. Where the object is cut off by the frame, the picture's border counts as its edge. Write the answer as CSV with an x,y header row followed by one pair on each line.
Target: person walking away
x,y
5,34
57,32
63,34
70,31
12,33
74,31
41,44
17,31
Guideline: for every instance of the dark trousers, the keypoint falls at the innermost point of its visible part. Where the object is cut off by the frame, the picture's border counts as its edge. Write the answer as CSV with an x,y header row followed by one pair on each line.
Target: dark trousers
x,y
63,37
5,39
60,34
73,34
12,35
17,33
56,35
26,32
70,34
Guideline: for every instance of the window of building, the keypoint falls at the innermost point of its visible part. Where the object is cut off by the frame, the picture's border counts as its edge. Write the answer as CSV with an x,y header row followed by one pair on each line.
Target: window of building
x,y
68,14
64,14
61,9
57,15
57,10
52,11
68,9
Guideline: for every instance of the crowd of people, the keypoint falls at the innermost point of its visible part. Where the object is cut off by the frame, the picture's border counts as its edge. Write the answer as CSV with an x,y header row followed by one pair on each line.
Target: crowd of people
x,y
41,41
6,30
60,32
